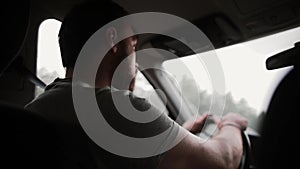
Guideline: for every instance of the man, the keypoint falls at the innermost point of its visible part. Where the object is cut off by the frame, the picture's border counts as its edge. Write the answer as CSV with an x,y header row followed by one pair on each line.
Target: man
x,y
224,150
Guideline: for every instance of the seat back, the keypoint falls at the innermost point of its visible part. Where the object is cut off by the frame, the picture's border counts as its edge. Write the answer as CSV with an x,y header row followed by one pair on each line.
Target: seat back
x,y
29,140
279,139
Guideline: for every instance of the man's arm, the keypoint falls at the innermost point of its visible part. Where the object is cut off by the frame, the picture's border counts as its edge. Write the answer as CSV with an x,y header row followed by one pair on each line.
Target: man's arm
x,y
224,150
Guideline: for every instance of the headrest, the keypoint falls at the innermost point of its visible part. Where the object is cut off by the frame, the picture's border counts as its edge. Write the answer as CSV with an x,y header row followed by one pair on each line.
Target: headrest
x,y
15,22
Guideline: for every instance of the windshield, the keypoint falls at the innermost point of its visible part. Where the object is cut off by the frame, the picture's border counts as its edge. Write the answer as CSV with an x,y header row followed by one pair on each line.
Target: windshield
x,y
248,84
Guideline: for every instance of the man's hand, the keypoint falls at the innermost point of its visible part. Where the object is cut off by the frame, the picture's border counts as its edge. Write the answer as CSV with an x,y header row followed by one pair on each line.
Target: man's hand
x,y
224,150
233,119
195,125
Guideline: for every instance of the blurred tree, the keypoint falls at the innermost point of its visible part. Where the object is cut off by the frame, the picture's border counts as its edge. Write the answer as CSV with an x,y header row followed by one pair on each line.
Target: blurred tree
x,y
241,106
47,77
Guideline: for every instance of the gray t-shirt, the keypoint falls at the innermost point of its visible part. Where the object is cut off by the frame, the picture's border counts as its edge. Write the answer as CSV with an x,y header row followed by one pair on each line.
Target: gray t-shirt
x,y
56,105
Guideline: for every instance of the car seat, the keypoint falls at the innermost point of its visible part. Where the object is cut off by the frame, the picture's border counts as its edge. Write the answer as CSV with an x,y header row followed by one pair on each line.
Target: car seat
x,y
29,140
279,143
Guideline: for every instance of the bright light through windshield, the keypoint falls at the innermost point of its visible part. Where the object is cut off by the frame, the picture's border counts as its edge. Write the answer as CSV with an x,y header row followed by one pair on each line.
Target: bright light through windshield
x,y
249,85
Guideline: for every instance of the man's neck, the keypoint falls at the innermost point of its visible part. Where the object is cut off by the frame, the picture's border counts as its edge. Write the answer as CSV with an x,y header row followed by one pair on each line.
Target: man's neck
x,y
69,73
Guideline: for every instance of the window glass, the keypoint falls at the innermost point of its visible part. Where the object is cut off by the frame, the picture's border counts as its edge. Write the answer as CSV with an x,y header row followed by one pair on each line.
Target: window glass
x,y
249,85
145,90
49,65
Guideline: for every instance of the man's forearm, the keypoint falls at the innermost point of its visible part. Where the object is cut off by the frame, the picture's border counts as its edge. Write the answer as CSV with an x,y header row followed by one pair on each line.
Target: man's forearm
x,y
230,145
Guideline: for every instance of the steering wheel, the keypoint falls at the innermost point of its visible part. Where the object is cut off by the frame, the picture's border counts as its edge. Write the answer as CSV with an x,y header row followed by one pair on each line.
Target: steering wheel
x,y
246,157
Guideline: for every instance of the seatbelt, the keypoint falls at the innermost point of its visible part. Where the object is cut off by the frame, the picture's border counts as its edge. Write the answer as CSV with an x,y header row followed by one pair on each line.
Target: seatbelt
x,y
27,74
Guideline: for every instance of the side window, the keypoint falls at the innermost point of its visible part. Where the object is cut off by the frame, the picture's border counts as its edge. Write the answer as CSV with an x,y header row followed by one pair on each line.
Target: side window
x,y
49,65
145,90
142,87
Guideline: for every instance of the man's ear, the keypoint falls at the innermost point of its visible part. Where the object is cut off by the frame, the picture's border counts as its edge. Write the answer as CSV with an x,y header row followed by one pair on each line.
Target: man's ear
x,y
111,36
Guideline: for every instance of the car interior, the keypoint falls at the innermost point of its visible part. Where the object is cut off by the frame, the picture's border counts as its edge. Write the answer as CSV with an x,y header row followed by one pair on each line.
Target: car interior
x,y
269,142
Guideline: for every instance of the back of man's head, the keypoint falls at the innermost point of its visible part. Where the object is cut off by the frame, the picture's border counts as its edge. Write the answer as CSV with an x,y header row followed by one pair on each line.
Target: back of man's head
x,y
81,23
